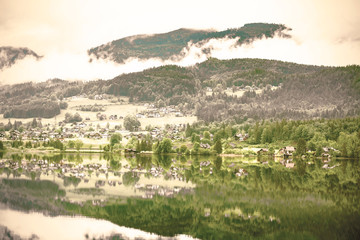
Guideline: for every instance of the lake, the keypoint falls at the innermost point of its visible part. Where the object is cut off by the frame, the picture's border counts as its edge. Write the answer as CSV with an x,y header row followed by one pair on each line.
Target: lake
x,y
99,196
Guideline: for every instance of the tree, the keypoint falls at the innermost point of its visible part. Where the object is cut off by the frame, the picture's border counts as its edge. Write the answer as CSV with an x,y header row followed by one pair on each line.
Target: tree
x,y
183,148
69,118
115,138
165,146
218,146
2,146
28,144
71,144
131,123
301,147
34,123
207,135
78,144
196,147
195,138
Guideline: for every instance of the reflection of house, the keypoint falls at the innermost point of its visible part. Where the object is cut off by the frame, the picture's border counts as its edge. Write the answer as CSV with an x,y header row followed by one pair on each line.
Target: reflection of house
x,y
288,163
327,151
130,150
263,151
287,151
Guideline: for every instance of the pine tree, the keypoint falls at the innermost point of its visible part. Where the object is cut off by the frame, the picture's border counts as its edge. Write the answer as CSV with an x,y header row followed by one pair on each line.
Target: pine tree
x,y
218,146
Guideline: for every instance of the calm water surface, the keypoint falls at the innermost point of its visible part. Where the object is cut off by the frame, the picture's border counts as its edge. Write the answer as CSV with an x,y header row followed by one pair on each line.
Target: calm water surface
x,y
144,197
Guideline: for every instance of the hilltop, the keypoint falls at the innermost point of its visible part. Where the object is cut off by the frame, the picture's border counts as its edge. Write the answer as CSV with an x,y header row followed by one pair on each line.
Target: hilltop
x,y
170,45
10,55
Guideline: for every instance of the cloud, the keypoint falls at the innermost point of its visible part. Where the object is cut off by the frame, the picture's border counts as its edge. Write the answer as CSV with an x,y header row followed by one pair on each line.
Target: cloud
x,y
76,66
325,32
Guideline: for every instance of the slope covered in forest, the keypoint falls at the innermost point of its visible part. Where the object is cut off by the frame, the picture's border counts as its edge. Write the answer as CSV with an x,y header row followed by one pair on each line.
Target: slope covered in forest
x,y
170,45
217,90
10,55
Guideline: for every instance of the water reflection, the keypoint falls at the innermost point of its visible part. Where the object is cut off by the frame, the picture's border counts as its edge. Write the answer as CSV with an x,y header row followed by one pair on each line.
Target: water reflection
x,y
38,226
207,197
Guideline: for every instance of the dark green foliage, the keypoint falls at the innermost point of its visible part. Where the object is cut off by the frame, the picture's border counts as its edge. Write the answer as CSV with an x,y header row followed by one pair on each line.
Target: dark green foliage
x,y
55,143
183,149
165,146
63,105
28,144
130,178
115,138
2,147
69,118
131,123
37,108
17,143
301,147
218,146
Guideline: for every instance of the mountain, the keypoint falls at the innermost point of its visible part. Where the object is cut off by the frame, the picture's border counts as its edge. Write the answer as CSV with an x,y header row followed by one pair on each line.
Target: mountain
x,y
9,55
214,90
170,45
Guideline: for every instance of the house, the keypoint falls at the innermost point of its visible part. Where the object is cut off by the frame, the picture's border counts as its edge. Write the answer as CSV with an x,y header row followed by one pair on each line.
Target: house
x,y
179,114
205,145
2,135
241,137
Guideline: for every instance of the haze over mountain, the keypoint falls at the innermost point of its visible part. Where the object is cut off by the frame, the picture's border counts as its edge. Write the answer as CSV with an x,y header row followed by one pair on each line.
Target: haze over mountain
x,y
174,45
324,32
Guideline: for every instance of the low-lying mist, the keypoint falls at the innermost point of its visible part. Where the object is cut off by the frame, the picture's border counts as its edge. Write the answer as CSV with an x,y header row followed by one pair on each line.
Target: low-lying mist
x,y
76,66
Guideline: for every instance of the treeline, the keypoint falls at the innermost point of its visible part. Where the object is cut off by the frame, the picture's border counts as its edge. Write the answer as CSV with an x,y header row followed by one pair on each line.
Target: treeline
x,y
37,108
339,134
28,100
91,108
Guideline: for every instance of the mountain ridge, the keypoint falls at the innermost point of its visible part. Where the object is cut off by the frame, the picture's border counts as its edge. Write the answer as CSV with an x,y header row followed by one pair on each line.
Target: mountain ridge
x,y
171,44
10,55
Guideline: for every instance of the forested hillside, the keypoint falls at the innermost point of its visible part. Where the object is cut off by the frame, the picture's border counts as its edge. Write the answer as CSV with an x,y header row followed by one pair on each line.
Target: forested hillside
x,y
36,99
9,55
215,90
168,45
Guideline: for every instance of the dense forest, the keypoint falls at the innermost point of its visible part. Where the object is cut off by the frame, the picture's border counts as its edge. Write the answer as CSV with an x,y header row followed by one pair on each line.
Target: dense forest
x,y
216,90
170,45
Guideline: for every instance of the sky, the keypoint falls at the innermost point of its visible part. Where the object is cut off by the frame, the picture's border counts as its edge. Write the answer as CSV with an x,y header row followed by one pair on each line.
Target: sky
x,y
324,32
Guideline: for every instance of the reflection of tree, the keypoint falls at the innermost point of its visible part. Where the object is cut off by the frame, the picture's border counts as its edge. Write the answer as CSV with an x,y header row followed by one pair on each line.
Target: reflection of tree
x,y
115,165
163,160
218,163
301,166
144,161
71,181
130,178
